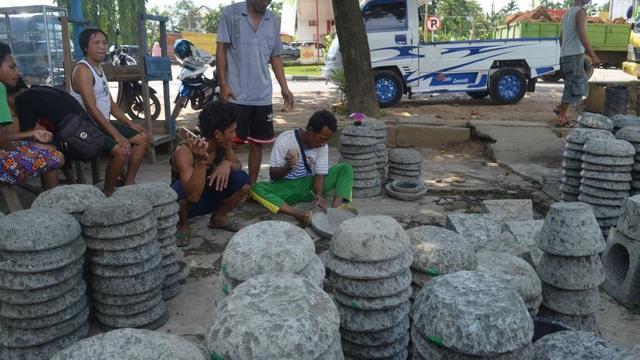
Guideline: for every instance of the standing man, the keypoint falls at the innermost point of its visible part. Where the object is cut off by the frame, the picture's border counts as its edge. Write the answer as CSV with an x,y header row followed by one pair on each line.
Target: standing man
x,y
574,44
248,41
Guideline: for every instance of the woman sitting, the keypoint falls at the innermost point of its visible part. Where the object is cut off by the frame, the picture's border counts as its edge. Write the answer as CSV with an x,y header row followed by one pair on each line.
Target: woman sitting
x,y
128,141
19,157
206,172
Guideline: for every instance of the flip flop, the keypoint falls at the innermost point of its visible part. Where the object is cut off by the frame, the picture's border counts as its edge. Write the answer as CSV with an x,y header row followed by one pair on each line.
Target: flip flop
x,y
348,208
183,238
231,226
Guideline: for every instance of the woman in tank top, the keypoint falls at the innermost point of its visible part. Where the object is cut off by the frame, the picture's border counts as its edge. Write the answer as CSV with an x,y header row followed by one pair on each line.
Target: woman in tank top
x,y
128,141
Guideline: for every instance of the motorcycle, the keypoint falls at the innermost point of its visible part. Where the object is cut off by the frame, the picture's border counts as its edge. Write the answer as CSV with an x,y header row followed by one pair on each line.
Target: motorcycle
x,y
195,88
130,92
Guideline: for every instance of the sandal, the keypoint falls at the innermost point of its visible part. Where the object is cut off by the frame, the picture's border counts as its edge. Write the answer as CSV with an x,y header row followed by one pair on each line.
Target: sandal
x,y
349,208
183,238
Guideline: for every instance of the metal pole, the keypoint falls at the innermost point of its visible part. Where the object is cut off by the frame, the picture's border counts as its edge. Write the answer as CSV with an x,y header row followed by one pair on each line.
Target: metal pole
x,y
317,34
77,17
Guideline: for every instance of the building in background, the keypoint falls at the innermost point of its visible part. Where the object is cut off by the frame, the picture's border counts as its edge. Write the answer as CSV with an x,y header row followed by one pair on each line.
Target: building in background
x,y
307,20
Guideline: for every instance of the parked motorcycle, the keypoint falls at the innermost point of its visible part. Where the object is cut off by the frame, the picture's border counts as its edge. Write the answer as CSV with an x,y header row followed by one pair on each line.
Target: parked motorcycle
x,y
130,92
196,88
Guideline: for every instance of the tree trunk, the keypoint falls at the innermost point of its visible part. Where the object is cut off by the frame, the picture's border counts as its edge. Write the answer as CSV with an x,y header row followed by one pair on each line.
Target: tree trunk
x,y
356,61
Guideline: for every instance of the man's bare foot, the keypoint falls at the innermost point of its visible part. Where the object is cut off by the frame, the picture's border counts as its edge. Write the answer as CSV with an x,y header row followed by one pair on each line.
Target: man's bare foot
x,y
562,121
221,222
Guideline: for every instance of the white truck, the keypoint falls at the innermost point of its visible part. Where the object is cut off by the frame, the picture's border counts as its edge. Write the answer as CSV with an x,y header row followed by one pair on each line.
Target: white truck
x,y
402,64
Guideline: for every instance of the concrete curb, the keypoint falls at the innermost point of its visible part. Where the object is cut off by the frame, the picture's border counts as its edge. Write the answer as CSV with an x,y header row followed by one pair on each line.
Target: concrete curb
x,y
304,78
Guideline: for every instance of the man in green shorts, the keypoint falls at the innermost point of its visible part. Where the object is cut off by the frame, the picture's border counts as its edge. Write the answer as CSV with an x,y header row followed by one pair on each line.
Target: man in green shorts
x,y
299,170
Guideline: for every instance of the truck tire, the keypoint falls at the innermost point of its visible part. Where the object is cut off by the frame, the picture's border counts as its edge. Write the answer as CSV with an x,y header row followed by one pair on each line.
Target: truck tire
x,y
389,88
507,86
478,94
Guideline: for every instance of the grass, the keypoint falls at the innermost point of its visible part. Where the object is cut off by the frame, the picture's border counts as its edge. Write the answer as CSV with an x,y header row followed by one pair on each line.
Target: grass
x,y
303,70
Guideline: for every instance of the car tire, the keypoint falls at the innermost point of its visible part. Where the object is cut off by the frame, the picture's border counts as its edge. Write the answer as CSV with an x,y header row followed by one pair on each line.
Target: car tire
x,y
507,86
478,94
389,87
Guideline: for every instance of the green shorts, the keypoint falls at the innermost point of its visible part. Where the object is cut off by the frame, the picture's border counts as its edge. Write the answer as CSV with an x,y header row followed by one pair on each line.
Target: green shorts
x,y
124,130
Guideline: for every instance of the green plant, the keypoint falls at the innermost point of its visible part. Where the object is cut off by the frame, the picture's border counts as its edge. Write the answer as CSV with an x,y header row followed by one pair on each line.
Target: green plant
x,y
338,78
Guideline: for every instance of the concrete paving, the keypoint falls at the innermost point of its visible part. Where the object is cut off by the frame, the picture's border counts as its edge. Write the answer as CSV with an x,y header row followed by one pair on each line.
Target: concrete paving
x,y
523,162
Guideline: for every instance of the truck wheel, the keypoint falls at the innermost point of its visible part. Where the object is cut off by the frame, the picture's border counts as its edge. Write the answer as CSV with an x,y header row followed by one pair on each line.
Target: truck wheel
x,y
507,86
588,66
478,94
389,87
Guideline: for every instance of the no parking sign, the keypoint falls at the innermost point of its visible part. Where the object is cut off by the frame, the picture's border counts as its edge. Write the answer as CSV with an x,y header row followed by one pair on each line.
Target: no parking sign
x,y
433,23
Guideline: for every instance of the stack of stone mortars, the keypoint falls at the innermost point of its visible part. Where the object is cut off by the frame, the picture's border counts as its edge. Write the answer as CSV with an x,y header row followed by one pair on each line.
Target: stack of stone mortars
x,y
359,146
469,315
622,121
133,344
594,121
570,268
369,259
70,199
275,316
606,178
405,164
438,251
269,247
43,306
165,209
632,135
622,256
382,154
516,272
576,345
572,160
125,262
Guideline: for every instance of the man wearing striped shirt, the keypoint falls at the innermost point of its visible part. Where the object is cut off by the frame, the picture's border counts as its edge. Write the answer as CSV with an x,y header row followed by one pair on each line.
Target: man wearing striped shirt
x,y
294,181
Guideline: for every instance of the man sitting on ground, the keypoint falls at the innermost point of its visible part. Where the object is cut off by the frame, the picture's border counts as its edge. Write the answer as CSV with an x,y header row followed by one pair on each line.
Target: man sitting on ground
x,y
206,172
299,170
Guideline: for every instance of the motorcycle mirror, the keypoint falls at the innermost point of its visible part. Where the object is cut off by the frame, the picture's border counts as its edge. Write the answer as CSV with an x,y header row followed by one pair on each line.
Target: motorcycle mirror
x,y
112,48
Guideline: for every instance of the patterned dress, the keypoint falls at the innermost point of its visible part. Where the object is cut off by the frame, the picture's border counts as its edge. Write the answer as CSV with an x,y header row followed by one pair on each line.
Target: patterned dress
x,y
28,159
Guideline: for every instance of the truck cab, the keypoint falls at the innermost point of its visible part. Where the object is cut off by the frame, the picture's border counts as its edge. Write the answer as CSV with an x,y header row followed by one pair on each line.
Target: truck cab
x,y
403,64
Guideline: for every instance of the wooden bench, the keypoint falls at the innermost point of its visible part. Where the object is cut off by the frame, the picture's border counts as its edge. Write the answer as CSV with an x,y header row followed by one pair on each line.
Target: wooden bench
x,y
10,197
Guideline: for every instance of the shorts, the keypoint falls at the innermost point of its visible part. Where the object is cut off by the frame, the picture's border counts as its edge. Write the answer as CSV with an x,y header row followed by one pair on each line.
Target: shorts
x,y
211,199
575,79
124,130
254,124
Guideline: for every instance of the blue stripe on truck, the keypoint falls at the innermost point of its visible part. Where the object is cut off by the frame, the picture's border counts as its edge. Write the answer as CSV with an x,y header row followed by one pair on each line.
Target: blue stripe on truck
x,y
544,70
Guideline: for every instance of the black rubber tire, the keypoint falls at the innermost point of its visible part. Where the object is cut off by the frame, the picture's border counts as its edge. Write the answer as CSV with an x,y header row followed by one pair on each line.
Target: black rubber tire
x,y
478,94
179,104
393,77
495,81
136,110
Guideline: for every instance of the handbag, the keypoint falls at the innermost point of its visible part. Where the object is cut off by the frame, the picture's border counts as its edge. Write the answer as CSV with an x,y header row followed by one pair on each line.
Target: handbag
x,y
80,138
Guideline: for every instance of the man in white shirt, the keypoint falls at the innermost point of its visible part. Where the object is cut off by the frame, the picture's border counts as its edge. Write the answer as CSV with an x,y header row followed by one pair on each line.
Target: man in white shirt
x,y
299,170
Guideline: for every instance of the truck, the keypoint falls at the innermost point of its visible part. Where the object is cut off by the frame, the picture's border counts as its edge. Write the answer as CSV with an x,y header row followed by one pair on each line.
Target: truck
x,y
503,69
609,41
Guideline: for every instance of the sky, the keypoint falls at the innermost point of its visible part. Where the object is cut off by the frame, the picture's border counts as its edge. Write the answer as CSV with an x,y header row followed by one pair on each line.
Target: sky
x,y
486,4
